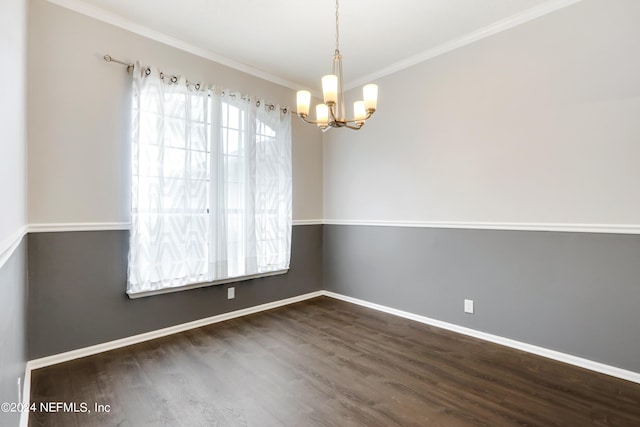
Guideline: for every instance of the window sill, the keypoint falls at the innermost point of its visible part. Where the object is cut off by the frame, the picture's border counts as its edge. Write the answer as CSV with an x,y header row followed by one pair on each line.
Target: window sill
x,y
205,284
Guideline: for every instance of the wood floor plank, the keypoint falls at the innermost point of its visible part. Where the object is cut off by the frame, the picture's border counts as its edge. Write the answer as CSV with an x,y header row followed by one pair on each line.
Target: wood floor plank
x,y
325,362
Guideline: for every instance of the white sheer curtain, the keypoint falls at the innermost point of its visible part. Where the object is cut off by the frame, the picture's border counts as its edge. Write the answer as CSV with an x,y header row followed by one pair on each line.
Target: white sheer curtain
x,y
255,142
273,190
211,185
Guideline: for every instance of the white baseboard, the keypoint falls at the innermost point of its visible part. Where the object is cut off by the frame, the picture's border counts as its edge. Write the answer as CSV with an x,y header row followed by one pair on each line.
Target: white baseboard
x,y
26,396
135,339
529,348
112,345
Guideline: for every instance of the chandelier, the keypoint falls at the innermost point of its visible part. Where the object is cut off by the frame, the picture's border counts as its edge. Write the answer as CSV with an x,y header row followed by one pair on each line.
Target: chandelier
x,y
331,114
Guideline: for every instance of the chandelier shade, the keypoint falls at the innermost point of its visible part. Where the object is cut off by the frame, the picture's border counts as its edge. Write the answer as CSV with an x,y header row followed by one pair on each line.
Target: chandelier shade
x,y
332,114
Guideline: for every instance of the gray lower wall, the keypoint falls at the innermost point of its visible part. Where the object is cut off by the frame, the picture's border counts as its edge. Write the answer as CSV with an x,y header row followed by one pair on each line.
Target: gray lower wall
x,y
13,320
77,286
578,293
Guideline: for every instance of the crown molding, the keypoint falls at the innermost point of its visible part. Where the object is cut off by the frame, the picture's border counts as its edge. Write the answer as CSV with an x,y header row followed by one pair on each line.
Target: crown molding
x,y
497,27
119,21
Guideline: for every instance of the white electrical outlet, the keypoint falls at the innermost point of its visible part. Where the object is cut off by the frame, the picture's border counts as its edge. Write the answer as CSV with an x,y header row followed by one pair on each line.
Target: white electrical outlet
x,y
468,306
231,293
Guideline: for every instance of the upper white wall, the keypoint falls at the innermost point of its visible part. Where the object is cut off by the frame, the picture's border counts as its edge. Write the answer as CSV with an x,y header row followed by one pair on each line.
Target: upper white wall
x,y
538,124
13,24
79,117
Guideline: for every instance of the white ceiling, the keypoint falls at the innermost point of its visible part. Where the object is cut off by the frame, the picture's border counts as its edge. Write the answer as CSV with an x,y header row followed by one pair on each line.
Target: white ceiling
x,y
292,41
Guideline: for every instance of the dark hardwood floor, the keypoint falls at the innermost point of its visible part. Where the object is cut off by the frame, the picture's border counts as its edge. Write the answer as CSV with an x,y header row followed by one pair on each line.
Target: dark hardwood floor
x,y
325,362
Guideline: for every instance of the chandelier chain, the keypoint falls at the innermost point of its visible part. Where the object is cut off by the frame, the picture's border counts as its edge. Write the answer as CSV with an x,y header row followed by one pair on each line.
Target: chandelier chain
x,y
337,28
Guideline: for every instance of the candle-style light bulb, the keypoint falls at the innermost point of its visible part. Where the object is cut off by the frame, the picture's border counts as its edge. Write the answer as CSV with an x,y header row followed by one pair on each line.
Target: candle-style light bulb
x,y
359,112
322,115
304,100
330,89
370,94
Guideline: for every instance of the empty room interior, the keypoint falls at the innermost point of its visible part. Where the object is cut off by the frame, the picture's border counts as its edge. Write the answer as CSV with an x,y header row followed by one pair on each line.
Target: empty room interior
x,y
312,213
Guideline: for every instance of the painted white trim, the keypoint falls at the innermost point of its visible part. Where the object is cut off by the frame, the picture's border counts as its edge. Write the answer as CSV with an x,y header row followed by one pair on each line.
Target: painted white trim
x,y
529,348
101,226
135,339
502,25
78,226
136,295
126,24
308,222
26,395
509,226
496,27
124,342
10,244
499,26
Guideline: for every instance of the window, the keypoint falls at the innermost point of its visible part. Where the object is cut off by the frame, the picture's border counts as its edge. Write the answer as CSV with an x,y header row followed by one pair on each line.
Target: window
x,y
211,186
235,157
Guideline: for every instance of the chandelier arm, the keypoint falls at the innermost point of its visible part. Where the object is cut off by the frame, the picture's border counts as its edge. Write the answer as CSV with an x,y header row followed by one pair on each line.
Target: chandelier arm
x,y
334,96
311,122
333,113
367,117
334,123
335,120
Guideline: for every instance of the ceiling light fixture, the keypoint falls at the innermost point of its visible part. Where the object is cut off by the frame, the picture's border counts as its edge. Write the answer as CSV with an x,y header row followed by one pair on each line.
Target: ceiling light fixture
x,y
331,114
